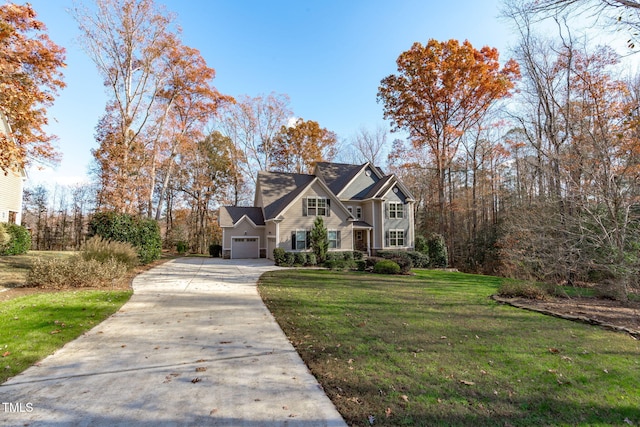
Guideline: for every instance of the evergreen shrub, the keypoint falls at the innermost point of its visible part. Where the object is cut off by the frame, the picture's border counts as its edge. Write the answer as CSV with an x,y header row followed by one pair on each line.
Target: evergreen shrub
x,y
19,240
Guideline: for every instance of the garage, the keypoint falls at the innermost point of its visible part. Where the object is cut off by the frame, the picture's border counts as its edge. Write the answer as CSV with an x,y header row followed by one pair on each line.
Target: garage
x,y
245,247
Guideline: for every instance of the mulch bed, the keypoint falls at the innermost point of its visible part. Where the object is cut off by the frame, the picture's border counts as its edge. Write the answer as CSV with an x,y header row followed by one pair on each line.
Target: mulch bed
x,y
614,315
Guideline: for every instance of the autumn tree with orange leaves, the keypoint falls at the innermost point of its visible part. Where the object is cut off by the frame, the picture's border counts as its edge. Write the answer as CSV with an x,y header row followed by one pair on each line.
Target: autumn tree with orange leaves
x,y
161,98
440,91
299,147
30,77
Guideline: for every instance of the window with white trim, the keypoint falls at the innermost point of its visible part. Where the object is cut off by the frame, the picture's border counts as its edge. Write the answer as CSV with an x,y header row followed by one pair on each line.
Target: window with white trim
x,y
396,210
322,206
396,237
350,209
358,212
333,236
300,239
316,206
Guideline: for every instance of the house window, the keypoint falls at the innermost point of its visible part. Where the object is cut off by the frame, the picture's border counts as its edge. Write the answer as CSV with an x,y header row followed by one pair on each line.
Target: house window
x,y
316,206
396,210
311,206
396,237
322,206
350,209
358,212
334,239
300,240
359,235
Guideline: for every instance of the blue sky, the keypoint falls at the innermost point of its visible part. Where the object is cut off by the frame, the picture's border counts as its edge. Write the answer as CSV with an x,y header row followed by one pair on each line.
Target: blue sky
x,y
327,56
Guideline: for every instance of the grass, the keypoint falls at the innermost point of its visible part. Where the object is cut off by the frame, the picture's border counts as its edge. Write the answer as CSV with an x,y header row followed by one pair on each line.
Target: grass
x,y
14,268
433,349
34,326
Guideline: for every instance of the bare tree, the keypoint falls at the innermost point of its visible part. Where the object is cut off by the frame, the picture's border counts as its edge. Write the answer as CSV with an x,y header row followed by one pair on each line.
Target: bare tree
x,y
614,13
370,146
127,40
252,124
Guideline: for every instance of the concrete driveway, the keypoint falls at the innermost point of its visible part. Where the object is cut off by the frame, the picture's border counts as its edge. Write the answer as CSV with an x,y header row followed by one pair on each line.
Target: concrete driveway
x,y
194,346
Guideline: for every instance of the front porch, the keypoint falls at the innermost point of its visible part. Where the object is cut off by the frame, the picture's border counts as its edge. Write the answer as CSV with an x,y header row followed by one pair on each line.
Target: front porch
x,y
362,237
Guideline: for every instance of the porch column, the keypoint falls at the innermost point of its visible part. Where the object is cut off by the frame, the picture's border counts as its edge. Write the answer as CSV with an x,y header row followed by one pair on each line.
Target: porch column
x,y
368,244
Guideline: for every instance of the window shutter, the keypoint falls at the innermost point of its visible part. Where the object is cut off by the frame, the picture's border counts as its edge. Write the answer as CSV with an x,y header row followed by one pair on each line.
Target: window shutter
x,y
338,240
386,238
304,206
308,239
293,240
328,207
386,210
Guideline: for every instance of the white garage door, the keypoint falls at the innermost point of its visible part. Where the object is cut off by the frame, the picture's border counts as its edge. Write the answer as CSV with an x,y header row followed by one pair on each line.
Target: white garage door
x,y
245,247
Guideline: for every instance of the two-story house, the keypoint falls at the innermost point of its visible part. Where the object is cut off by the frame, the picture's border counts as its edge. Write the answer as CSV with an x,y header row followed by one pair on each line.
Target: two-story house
x,y
362,209
11,185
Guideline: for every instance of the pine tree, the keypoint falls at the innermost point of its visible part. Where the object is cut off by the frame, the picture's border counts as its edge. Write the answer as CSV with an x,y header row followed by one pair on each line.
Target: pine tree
x,y
319,240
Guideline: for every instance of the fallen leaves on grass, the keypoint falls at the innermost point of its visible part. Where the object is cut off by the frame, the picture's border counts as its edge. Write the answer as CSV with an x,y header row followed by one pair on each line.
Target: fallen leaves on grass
x,y
6,353
465,382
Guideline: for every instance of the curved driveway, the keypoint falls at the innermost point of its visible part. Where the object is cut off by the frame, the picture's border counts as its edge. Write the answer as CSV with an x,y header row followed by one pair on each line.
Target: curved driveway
x,y
194,346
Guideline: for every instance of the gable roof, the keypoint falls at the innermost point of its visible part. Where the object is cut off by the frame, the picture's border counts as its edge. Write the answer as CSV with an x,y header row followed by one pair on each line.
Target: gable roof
x,y
231,215
337,175
378,187
279,189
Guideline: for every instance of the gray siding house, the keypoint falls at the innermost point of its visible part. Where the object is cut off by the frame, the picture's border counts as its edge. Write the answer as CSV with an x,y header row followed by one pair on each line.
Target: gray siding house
x,y
362,208
11,185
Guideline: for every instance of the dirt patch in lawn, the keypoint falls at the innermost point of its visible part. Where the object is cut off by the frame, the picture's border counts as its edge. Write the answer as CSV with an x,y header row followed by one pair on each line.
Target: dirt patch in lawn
x,y
616,315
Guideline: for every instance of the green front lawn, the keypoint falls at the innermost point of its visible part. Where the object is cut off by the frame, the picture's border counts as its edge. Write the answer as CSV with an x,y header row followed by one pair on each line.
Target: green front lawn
x,y
433,349
34,326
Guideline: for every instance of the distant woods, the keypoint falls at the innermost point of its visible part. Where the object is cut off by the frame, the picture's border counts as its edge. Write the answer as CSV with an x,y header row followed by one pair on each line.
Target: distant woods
x,y
528,166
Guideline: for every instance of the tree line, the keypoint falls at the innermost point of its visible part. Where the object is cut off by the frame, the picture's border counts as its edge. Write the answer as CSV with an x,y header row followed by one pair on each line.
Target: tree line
x,y
528,167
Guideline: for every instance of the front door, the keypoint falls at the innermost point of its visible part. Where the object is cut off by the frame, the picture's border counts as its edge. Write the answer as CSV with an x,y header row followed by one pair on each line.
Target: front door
x,y
360,244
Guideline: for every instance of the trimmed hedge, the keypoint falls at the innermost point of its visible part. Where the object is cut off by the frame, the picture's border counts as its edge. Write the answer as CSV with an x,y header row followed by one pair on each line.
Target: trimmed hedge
x,y
299,258
401,258
386,266
142,233
334,260
19,240
278,256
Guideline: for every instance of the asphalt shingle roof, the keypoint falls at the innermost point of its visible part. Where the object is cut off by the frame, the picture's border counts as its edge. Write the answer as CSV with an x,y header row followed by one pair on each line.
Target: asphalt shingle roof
x,y
279,189
229,215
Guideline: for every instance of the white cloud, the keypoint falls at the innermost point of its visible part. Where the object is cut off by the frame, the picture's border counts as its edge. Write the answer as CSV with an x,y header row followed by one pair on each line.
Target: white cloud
x,y
291,121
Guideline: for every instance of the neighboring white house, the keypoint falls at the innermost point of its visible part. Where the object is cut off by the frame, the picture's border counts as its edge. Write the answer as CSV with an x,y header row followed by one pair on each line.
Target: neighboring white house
x,y
362,208
11,186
